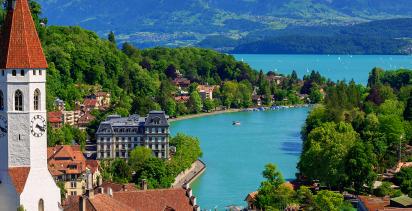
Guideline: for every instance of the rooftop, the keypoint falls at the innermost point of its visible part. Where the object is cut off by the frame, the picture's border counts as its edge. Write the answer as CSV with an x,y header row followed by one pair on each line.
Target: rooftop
x,y
65,159
20,44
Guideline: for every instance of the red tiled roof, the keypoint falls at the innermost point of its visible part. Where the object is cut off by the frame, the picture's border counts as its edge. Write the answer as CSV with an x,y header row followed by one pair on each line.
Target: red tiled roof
x,y
119,187
20,44
90,102
86,118
93,165
61,160
105,202
155,200
19,176
55,117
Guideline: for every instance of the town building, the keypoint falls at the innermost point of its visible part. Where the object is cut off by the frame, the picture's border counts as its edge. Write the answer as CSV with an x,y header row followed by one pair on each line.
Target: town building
x,y
68,165
25,181
117,136
371,203
102,100
71,117
55,118
124,199
206,91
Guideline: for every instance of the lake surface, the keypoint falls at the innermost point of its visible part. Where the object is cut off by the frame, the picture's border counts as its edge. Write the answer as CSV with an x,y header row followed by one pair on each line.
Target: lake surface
x,y
236,155
335,67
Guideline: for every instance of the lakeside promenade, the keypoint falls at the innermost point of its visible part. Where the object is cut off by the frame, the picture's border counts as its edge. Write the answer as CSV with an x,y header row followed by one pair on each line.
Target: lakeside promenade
x,y
190,175
191,116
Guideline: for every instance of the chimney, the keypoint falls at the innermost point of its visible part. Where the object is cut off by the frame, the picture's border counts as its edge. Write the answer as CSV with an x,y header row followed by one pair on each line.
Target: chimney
x,y
89,185
193,201
144,184
100,190
82,203
189,192
110,192
196,208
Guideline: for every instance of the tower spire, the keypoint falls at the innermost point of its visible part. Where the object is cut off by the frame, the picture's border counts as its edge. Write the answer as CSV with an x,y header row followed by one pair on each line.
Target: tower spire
x,y
20,46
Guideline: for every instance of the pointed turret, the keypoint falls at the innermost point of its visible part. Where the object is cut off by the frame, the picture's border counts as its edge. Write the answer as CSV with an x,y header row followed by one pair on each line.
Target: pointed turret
x,y
20,44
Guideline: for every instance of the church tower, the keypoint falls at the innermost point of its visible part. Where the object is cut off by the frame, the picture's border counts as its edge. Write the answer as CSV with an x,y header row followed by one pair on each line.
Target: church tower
x,y
24,176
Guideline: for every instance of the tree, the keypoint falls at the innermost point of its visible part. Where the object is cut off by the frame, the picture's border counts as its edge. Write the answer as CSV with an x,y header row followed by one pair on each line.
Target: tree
x,y
315,95
374,77
272,175
408,110
208,104
121,171
195,102
112,38
272,194
359,166
324,153
328,201
404,179
138,156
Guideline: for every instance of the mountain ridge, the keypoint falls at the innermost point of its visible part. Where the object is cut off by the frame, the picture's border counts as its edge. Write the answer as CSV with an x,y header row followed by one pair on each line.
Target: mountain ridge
x,y
148,23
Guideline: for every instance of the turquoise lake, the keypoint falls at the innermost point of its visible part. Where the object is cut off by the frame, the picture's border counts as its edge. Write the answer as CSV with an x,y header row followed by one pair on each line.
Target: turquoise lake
x,y
236,155
335,67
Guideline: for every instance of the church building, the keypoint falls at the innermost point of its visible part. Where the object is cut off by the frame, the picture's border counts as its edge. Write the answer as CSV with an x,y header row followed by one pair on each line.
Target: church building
x,y
25,180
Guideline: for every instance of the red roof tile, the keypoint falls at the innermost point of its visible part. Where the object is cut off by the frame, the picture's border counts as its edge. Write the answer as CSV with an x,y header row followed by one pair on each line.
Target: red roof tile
x,y
19,176
155,200
65,160
93,165
20,44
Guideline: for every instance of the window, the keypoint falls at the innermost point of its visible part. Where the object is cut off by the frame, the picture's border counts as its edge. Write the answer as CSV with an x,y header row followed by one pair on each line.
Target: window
x,y
41,205
22,72
36,99
18,101
34,72
14,72
40,72
73,193
2,72
73,184
1,100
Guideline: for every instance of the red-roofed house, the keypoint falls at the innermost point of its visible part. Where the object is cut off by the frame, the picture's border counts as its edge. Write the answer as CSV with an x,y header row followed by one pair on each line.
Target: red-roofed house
x,y
206,91
106,199
68,165
55,119
84,120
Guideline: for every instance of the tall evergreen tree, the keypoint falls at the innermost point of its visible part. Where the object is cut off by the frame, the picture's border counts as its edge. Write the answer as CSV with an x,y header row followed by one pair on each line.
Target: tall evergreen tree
x,y
112,37
408,110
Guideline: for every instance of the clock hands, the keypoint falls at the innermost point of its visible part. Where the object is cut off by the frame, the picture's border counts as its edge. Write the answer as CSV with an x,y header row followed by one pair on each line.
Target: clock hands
x,y
4,130
40,127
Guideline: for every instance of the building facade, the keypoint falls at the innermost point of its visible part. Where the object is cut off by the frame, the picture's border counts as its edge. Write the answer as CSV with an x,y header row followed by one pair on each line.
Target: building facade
x,y
67,164
117,136
25,180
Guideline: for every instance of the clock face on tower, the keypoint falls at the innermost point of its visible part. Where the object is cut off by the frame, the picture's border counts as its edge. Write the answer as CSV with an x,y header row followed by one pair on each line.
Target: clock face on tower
x,y
38,126
3,126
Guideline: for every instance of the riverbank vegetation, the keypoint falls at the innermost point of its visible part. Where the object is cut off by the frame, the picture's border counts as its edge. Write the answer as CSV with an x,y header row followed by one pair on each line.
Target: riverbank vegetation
x,y
275,194
157,172
360,134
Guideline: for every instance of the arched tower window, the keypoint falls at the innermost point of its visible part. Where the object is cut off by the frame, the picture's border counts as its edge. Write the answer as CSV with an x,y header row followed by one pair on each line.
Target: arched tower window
x,y
18,101
1,100
41,205
36,99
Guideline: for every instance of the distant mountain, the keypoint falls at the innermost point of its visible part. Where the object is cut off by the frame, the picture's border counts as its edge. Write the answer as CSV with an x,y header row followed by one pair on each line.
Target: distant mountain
x,y
186,22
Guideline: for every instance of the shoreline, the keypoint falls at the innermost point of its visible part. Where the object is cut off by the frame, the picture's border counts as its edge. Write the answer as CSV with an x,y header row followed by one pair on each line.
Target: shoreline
x,y
190,175
192,116
235,110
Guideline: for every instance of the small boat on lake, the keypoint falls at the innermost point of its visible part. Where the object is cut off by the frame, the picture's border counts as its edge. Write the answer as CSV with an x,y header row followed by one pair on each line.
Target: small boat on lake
x,y
236,123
